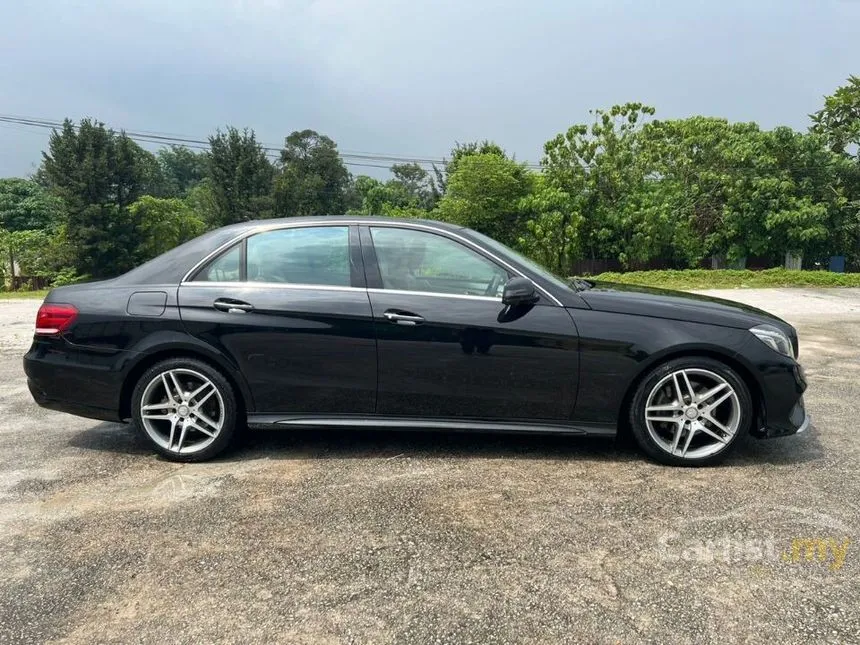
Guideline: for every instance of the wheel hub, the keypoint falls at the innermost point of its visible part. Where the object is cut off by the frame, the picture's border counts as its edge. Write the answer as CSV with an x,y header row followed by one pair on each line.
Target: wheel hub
x,y
692,413
182,410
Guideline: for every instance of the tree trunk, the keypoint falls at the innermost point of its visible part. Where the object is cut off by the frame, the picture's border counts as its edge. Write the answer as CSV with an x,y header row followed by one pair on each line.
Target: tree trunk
x,y
793,260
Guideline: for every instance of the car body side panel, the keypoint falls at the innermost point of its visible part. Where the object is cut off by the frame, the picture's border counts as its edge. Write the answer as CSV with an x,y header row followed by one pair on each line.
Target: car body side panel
x,y
475,358
301,349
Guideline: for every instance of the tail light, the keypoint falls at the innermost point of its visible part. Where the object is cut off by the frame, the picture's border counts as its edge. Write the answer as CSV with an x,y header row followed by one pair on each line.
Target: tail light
x,y
54,319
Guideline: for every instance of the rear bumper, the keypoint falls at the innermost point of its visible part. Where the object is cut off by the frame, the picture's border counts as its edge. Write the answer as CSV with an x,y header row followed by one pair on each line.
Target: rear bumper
x,y
72,380
71,407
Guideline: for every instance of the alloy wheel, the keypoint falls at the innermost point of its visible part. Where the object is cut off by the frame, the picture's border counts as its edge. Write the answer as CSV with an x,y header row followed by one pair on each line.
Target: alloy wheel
x,y
182,411
692,413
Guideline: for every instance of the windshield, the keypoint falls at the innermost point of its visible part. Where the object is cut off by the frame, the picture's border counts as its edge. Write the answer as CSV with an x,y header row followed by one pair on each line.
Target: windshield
x,y
531,265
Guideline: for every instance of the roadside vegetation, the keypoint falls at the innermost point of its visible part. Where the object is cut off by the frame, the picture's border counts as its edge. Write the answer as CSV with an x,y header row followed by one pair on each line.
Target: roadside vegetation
x,y
623,189
732,279
24,293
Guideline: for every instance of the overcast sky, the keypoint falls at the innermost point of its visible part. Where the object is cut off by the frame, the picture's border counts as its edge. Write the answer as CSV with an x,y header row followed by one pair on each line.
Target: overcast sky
x,y
412,77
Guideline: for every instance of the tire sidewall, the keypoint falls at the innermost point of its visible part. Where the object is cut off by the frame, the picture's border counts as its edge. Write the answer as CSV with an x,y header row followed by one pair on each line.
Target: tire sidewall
x,y
231,411
637,409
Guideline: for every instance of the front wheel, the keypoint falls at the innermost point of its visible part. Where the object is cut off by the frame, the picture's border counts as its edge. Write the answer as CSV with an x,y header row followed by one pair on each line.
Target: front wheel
x,y
690,411
186,409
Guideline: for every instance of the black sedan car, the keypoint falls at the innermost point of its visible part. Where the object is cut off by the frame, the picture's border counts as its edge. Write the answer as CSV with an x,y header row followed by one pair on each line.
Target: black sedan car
x,y
385,323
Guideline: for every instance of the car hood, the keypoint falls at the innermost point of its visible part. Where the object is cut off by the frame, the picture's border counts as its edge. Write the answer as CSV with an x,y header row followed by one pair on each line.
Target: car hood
x,y
677,305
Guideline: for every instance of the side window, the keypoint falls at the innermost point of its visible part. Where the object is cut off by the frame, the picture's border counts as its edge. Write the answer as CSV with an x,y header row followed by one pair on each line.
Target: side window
x,y
309,255
411,260
225,268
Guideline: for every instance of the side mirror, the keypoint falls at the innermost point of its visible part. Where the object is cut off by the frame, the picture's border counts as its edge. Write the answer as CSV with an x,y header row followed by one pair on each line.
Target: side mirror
x,y
519,291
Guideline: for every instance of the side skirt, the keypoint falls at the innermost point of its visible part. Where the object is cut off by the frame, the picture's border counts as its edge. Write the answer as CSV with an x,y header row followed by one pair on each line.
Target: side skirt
x,y
408,423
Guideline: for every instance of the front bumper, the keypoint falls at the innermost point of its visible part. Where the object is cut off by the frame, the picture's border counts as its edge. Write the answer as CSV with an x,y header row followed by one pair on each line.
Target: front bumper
x,y
801,416
798,421
782,409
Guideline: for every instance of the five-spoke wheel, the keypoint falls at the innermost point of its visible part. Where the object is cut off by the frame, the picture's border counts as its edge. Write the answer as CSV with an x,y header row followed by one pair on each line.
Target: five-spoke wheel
x,y
690,411
185,408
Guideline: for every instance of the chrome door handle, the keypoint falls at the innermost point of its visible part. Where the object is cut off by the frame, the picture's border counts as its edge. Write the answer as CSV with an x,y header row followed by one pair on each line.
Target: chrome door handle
x,y
409,320
232,306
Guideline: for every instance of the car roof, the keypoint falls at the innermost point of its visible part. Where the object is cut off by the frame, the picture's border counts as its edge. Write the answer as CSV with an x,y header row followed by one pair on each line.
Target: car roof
x,y
346,219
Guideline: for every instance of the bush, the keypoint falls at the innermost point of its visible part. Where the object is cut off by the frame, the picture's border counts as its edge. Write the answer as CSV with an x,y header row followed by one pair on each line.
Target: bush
x,y
68,276
732,279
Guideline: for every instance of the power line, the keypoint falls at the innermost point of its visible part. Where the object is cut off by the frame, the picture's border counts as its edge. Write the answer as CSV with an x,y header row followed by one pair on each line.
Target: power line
x,y
361,159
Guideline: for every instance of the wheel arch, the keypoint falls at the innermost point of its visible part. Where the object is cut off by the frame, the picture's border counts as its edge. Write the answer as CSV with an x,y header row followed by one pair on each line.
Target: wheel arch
x,y
151,358
742,370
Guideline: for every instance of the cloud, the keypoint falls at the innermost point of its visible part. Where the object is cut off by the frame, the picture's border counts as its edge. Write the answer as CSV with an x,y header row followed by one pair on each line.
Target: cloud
x,y
413,77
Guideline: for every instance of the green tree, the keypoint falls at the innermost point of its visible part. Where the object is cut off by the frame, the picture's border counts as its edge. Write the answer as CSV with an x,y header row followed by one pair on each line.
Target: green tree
x,y
462,150
30,218
410,193
97,173
28,255
163,224
704,166
839,123
240,177
25,205
839,120
201,200
484,193
601,167
439,180
551,235
736,190
416,184
181,169
312,179
374,197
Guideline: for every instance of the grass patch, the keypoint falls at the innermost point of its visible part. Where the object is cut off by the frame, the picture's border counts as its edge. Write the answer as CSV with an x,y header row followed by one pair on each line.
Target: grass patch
x,y
12,295
733,279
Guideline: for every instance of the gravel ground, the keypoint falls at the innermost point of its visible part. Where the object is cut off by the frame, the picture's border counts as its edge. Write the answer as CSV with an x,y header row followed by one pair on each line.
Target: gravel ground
x,y
366,537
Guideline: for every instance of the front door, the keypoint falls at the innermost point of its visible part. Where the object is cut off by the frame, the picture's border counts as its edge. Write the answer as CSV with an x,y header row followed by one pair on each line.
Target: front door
x,y
448,347
289,307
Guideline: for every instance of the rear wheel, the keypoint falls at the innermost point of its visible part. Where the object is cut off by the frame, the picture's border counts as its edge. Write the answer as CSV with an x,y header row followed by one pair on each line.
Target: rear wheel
x,y
186,409
690,411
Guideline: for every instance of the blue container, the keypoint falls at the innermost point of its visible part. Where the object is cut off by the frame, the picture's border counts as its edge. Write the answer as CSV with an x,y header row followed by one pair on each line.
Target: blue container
x,y
837,263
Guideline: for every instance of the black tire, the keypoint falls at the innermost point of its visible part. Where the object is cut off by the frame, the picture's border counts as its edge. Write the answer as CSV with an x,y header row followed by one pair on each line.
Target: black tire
x,y
639,426
231,409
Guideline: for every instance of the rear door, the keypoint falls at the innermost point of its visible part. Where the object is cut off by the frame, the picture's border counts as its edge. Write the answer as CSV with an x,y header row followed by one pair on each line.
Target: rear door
x,y
290,308
448,347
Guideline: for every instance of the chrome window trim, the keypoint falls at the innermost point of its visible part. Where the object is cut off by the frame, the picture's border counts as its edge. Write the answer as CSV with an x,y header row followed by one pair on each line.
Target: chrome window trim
x,y
271,285
359,222
326,287
434,294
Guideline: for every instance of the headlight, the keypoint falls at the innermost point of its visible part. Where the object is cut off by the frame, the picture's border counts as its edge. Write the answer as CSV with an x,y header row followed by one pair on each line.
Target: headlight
x,y
774,338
